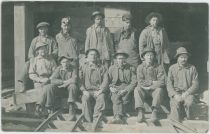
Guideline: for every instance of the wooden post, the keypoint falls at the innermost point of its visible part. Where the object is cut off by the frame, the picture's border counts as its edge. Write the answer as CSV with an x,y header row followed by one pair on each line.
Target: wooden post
x,y
23,34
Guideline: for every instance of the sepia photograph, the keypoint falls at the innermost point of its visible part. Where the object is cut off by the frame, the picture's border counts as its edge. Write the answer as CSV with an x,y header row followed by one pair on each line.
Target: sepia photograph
x,y
105,66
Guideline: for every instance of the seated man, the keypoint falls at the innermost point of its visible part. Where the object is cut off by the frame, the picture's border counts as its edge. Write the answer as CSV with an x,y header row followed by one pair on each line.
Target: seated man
x,y
94,83
40,71
64,79
123,81
151,80
182,84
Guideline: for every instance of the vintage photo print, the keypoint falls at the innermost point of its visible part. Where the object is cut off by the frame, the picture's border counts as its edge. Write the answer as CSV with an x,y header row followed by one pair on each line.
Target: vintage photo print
x,y
105,66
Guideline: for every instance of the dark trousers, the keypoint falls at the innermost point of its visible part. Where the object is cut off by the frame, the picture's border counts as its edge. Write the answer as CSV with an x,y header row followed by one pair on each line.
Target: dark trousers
x,y
178,109
119,101
51,94
141,95
92,106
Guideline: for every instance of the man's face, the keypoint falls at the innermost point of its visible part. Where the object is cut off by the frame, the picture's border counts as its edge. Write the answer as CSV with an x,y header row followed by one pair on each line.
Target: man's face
x,y
65,28
182,59
149,57
154,21
42,51
65,63
92,56
98,20
126,25
120,60
43,30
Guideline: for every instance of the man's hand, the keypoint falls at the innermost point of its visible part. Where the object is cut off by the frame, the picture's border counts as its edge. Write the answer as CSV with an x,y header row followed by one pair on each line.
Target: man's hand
x,y
122,92
178,97
65,84
44,80
97,93
184,95
113,90
86,93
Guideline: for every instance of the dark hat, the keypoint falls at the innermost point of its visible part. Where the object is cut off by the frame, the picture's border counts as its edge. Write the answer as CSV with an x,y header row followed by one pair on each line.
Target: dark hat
x,y
97,13
42,24
154,14
148,49
66,20
181,50
121,52
40,44
127,17
92,49
65,56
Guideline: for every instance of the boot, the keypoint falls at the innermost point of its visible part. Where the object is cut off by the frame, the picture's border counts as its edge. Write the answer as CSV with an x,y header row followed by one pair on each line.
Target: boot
x,y
72,113
154,117
140,117
117,119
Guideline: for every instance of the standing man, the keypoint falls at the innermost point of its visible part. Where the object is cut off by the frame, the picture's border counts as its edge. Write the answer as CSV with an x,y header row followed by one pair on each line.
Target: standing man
x,y
182,84
123,81
94,84
51,47
126,39
98,37
40,71
67,45
151,80
63,82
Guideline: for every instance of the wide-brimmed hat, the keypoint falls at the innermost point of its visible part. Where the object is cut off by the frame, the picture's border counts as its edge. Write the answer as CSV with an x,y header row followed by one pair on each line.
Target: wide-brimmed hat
x,y
66,20
181,50
42,24
39,44
65,56
127,17
92,49
121,52
154,14
148,49
96,13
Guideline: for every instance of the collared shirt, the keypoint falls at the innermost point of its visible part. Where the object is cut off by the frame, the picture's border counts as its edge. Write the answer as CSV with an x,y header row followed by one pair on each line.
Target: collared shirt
x,y
182,79
147,74
94,77
51,47
41,67
61,75
67,45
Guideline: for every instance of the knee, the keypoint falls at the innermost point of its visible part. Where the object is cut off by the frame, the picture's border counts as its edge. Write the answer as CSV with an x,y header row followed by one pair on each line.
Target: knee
x,y
50,87
72,87
159,90
101,97
86,97
137,91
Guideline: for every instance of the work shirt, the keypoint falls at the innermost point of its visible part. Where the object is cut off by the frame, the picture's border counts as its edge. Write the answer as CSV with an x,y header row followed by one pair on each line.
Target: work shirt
x,y
93,77
61,75
123,75
67,45
181,79
41,67
51,47
146,74
99,37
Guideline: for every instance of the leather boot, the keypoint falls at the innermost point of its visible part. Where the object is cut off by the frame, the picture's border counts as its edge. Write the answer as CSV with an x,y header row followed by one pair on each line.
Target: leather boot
x,y
72,113
154,117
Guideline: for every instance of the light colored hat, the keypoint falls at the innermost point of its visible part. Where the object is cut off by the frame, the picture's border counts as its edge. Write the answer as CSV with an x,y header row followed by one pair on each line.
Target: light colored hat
x,y
97,13
181,50
39,44
121,52
42,24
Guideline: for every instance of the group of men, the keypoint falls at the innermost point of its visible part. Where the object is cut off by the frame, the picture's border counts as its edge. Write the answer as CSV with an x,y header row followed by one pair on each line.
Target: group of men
x,y
54,68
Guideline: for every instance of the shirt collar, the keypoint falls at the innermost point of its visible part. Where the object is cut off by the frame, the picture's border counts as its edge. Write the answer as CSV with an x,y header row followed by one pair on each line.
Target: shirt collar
x,y
121,67
97,26
91,65
182,67
46,36
147,66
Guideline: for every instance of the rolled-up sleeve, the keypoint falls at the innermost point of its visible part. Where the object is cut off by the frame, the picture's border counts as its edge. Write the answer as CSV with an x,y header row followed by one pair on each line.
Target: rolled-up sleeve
x,y
32,71
195,84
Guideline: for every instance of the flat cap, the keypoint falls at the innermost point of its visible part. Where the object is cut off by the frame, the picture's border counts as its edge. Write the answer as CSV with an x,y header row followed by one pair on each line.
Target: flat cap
x,y
42,24
97,13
